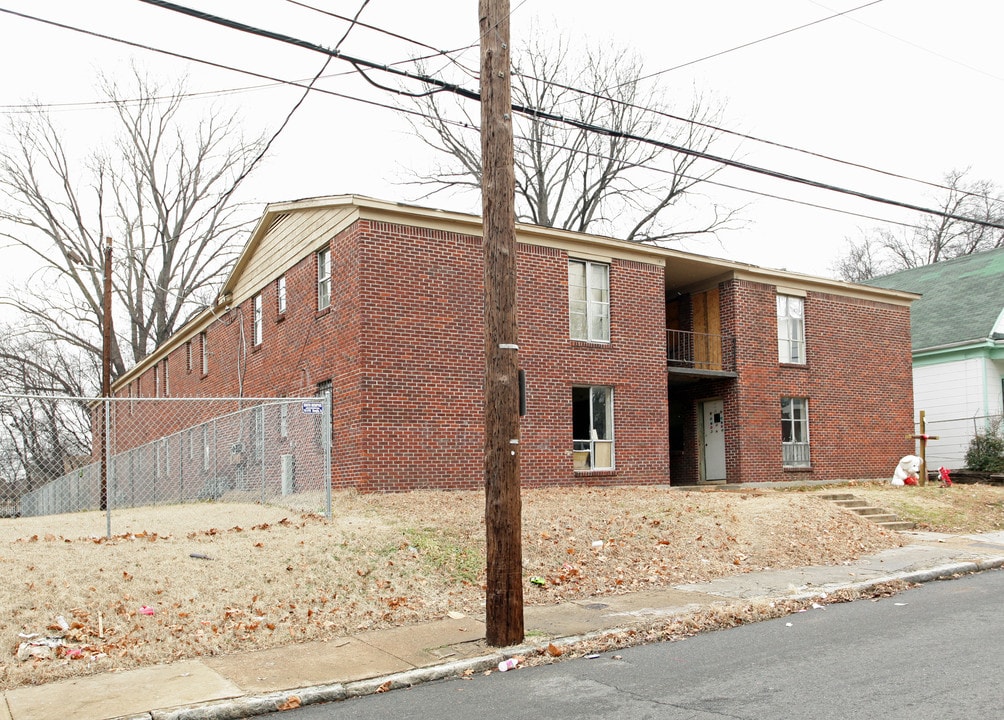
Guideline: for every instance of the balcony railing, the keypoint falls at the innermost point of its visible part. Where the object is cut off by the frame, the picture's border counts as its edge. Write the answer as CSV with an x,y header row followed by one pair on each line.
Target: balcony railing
x,y
701,351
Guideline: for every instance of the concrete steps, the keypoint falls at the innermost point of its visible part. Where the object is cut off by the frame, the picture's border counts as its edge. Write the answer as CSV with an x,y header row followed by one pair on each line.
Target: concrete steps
x,y
878,515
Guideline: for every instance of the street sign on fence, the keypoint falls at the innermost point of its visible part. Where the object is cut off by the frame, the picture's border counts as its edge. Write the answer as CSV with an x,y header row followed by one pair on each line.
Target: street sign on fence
x,y
310,408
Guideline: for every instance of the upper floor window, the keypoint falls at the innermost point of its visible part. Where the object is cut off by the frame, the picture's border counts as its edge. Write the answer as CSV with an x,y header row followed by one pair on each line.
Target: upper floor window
x,y
790,329
323,278
589,301
280,293
256,331
795,432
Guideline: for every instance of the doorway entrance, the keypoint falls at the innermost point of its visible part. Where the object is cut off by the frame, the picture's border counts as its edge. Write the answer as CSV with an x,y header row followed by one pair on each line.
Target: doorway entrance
x,y
712,441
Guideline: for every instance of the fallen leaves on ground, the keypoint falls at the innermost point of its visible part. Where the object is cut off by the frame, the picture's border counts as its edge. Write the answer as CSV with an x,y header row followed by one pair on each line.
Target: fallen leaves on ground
x,y
232,578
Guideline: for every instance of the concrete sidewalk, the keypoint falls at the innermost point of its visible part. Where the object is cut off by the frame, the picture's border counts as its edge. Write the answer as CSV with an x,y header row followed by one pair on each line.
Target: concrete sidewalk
x,y
252,683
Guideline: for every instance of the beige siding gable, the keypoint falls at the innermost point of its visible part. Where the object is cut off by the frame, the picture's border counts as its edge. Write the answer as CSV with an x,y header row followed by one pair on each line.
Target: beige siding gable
x,y
290,237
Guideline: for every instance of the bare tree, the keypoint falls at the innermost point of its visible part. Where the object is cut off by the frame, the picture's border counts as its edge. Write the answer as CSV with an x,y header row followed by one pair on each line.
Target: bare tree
x,y
574,178
41,437
161,191
936,238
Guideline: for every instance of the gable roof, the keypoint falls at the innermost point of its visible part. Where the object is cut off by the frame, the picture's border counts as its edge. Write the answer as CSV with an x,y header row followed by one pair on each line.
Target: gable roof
x,y
290,230
962,299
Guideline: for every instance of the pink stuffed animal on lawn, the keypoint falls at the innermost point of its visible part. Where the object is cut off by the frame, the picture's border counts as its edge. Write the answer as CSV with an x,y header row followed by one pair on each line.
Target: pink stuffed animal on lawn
x,y
907,472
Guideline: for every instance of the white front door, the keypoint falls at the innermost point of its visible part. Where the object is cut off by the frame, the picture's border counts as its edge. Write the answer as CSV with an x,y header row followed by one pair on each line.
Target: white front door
x,y
713,441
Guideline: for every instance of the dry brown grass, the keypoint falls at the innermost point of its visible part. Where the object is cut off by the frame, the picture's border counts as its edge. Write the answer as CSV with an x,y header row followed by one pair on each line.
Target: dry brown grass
x,y
229,578
956,509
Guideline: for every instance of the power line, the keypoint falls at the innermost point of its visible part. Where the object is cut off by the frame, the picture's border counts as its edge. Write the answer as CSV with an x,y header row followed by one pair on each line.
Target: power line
x,y
760,40
919,47
436,51
463,125
718,183
97,105
282,126
736,133
537,113
275,80
692,121
379,29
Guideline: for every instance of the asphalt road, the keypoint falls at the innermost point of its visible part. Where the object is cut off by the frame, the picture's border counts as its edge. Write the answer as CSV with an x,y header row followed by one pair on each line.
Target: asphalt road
x,y
932,652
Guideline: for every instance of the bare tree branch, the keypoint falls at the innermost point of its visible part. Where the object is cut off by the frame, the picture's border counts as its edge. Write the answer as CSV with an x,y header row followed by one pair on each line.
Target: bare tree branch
x,y
570,177
938,238
156,192
161,190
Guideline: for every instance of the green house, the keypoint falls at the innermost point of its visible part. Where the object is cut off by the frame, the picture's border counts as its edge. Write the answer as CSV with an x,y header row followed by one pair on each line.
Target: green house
x,y
957,328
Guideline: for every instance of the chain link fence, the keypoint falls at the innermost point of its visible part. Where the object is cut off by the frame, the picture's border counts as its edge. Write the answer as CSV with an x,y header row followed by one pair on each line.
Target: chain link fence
x,y
162,451
954,436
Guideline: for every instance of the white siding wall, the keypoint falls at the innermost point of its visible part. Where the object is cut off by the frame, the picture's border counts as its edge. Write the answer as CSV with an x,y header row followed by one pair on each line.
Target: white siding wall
x,y
952,394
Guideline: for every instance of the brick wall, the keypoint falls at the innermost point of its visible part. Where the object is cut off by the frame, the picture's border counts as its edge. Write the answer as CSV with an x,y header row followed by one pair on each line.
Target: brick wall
x,y
423,364
402,345
857,379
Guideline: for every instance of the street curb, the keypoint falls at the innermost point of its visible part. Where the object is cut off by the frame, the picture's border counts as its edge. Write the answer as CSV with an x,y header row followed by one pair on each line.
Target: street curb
x,y
939,572
251,705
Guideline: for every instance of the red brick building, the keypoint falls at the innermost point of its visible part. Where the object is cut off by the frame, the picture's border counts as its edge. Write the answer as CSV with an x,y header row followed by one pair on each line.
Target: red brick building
x,y
643,365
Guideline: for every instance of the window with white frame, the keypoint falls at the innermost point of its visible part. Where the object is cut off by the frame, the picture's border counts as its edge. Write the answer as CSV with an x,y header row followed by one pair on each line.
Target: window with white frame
x,y
280,294
593,427
589,301
795,432
791,329
323,278
256,330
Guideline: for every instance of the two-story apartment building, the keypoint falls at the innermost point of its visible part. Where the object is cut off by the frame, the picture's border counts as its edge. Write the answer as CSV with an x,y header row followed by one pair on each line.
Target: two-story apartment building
x,y
643,365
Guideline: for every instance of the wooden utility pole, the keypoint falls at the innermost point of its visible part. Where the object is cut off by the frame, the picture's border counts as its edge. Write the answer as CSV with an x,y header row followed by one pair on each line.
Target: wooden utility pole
x,y
106,370
923,437
504,594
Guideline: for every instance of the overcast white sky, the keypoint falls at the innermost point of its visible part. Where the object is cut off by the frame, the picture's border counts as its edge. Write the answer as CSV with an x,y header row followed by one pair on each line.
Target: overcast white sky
x,y
907,86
